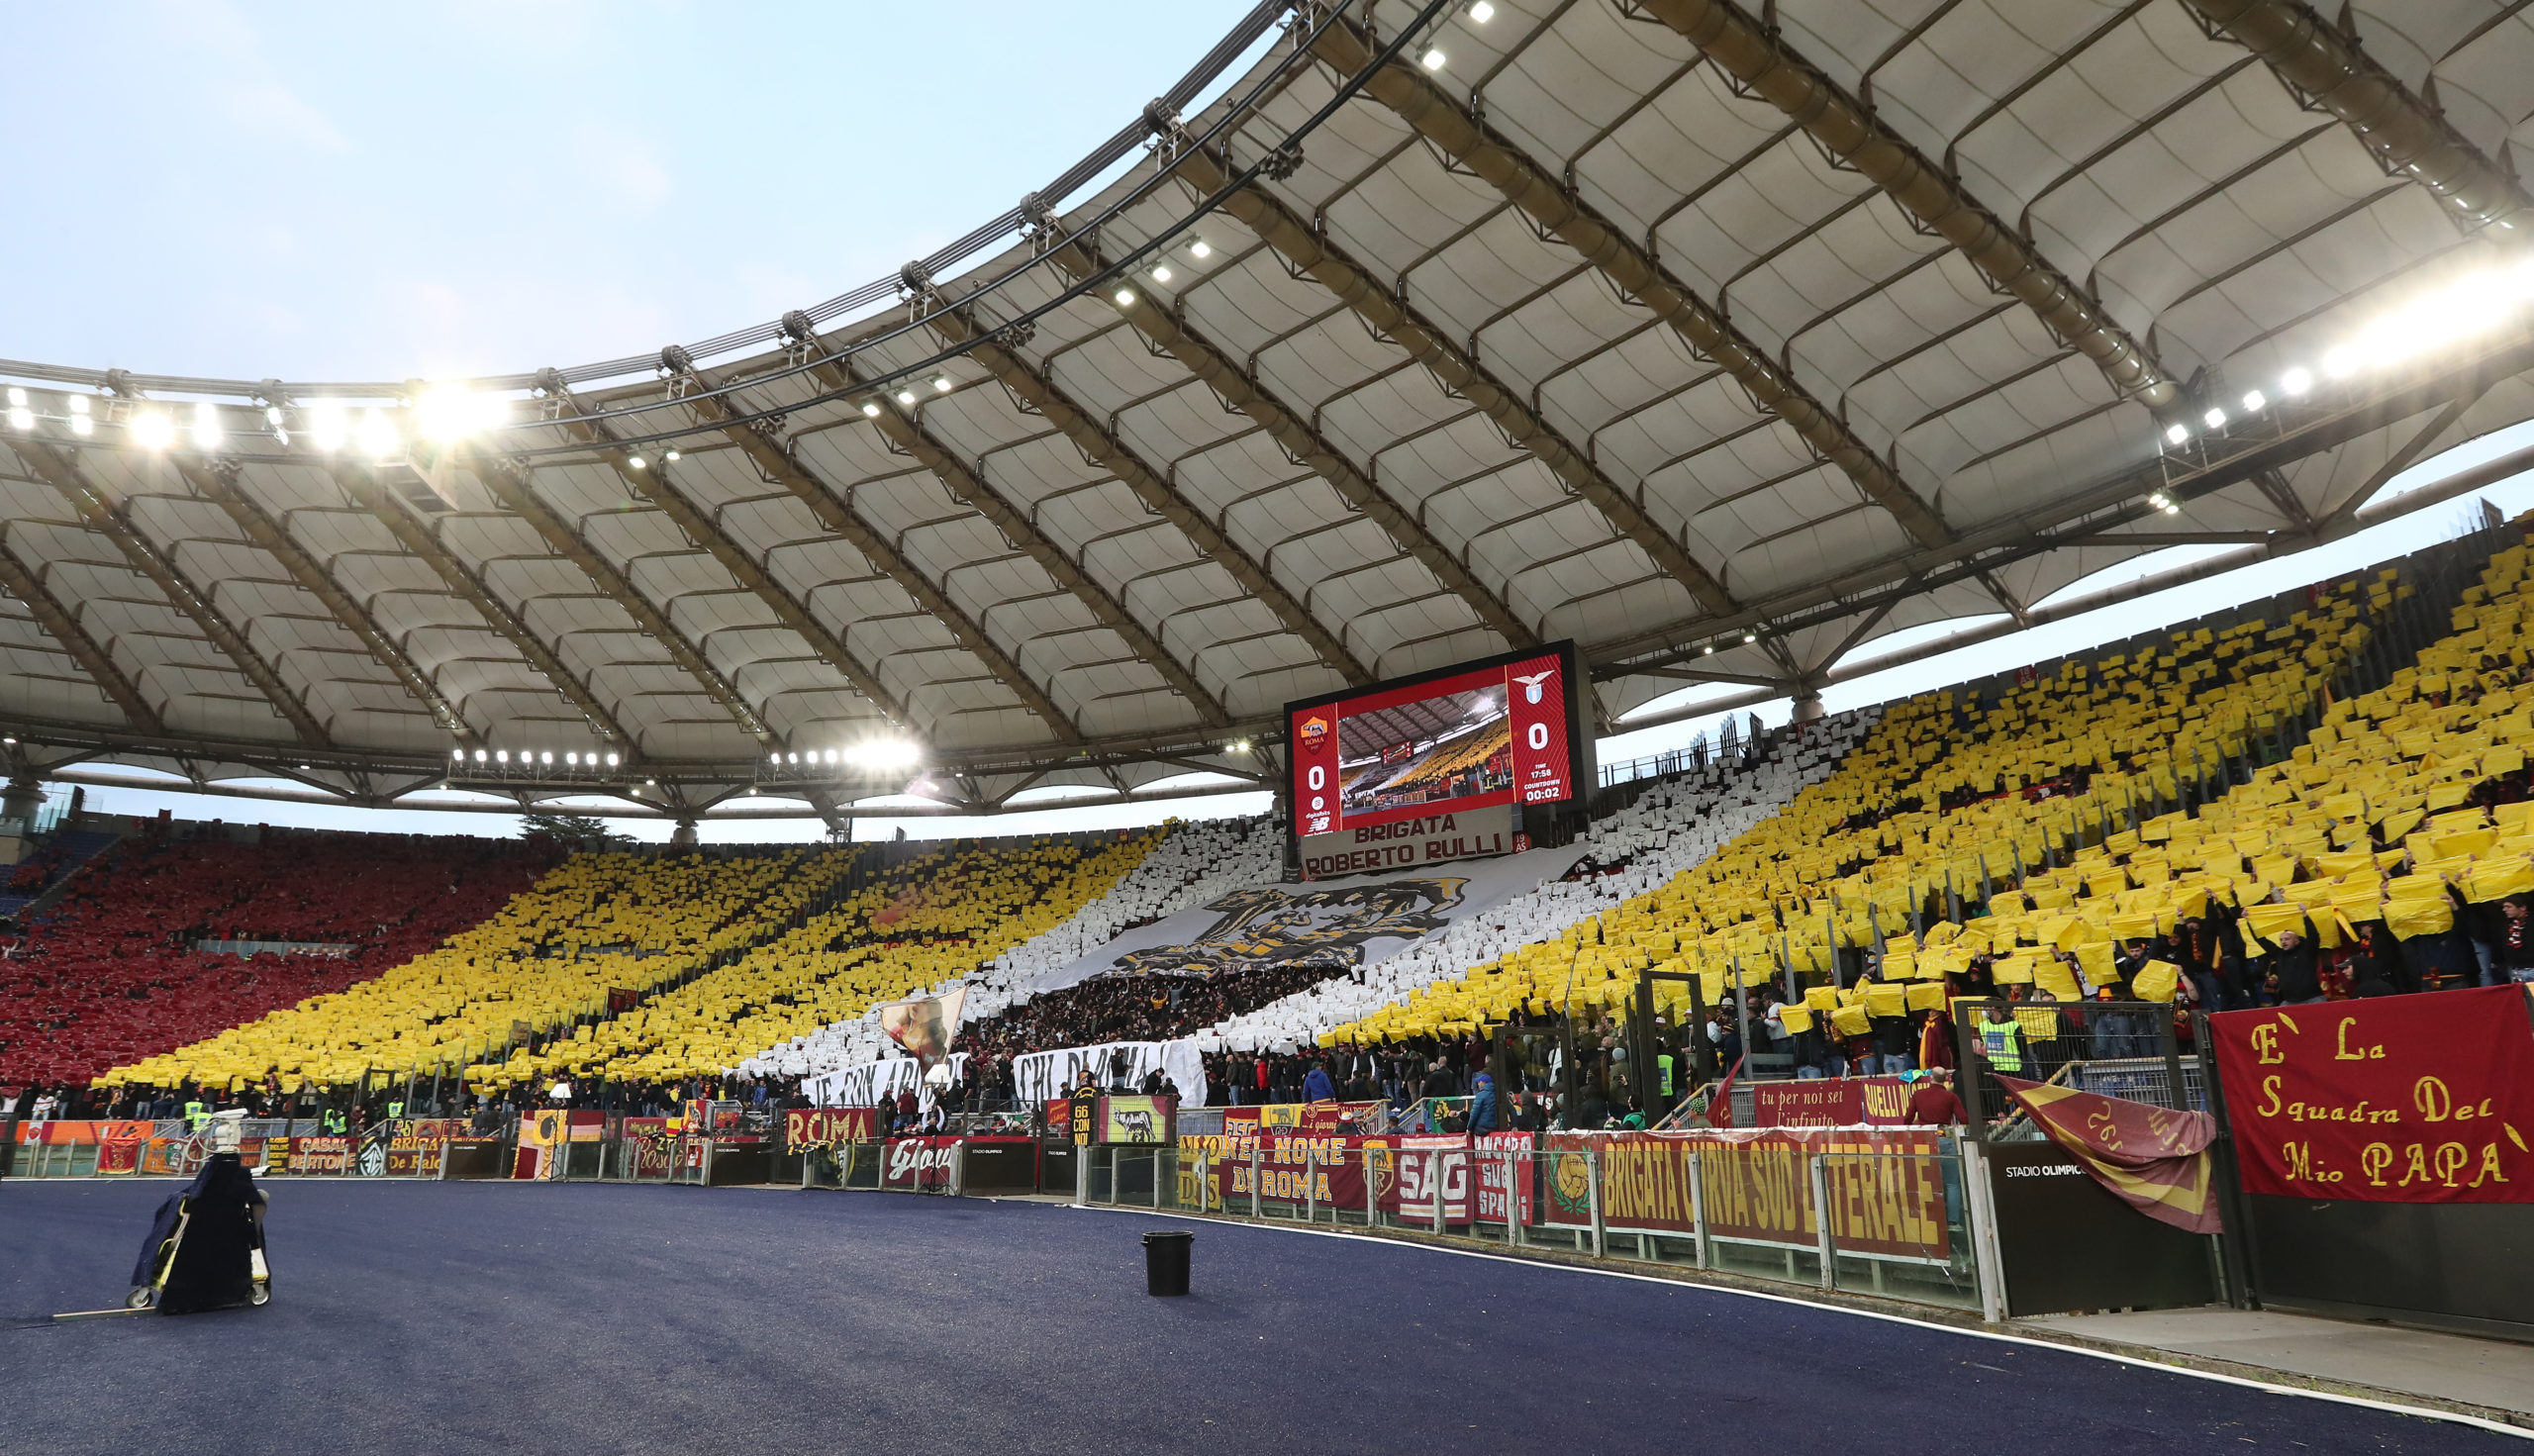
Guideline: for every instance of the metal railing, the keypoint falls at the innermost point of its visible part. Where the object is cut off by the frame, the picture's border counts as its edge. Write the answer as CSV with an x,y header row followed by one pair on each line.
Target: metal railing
x,y
1900,1224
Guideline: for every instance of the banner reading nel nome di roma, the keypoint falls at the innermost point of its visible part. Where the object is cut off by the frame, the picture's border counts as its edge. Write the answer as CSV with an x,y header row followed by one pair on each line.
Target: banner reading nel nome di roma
x,y
2393,1098
1886,1188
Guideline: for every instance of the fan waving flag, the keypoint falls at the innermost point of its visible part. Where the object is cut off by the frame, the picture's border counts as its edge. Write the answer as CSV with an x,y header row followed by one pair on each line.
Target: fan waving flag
x,y
926,1026
2154,1159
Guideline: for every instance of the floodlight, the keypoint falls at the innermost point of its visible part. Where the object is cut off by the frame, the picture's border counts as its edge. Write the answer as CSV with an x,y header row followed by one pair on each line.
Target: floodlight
x,y
2176,434
1126,297
152,430
502,756
611,760
2295,382
906,396
940,384
871,407
1432,59
378,434
2213,419
17,397
1481,13
1161,275
1200,248
22,417
326,427
479,755
670,455
206,424
2254,401
545,759
81,423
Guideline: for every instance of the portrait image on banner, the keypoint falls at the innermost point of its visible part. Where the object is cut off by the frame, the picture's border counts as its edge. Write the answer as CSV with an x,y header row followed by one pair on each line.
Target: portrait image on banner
x,y
926,1026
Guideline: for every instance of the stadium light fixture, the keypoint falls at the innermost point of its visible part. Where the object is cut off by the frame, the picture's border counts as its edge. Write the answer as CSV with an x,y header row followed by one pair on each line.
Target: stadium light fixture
x,y
670,455
20,417
152,430
571,760
906,396
1161,273
449,413
1201,250
17,396
1708,651
2295,382
81,422
545,757
457,756
2214,419
637,462
2340,363
2254,401
272,416
205,426
479,755
1749,638
611,760
2176,434
871,409
940,384
1432,59
1481,13
1125,298
326,427
880,754
378,434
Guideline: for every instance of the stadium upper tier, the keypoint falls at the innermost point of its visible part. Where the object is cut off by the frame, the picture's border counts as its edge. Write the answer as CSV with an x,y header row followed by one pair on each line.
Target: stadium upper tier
x,y
1437,330
2090,809
720,955
111,972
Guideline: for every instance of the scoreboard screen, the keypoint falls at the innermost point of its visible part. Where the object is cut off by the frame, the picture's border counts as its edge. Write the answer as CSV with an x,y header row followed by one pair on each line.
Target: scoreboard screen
x,y
1435,766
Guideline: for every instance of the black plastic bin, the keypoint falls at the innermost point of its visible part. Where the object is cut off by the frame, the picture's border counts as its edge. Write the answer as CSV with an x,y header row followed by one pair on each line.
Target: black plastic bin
x,y
1166,1263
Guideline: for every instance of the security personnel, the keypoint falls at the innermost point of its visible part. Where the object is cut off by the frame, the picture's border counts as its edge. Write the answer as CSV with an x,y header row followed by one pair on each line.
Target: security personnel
x,y
395,1111
2001,1039
332,1123
196,1115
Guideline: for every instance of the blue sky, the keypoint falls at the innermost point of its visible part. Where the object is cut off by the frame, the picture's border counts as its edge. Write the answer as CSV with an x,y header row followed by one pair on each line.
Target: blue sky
x,y
380,193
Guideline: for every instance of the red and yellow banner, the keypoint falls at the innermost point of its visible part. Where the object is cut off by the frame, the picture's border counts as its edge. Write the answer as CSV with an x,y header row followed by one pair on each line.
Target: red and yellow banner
x,y
1886,1186
1831,1102
2154,1159
2424,1098
825,1127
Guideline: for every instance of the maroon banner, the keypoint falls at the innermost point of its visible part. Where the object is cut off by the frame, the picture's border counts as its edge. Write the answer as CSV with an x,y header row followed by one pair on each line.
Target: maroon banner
x,y
1308,1118
1291,1169
413,1145
1831,1102
654,1146
918,1162
2154,1159
1886,1186
315,1155
2424,1098
1494,1169
826,1127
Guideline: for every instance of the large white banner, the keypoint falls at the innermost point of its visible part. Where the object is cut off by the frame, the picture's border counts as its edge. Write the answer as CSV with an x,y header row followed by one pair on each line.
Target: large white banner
x,y
1042,1075
861,1084
1339,924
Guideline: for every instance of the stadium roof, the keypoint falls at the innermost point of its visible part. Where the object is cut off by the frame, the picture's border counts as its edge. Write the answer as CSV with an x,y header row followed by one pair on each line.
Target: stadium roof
x,y
1720,339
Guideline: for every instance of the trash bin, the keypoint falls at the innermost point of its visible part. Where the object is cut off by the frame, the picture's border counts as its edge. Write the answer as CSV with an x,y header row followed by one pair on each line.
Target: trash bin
x,y
1166,1263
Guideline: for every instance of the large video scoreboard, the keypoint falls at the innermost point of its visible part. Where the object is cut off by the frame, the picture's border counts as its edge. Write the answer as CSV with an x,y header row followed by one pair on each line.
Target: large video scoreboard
x,y
1438,766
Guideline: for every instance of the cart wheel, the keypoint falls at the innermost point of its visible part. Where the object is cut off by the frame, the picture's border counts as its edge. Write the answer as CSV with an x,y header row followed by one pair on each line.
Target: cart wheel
x,y
262,1294
140,1298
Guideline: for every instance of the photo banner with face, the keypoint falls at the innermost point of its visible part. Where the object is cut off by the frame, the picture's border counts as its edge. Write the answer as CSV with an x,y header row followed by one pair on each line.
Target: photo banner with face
x,y
926,1026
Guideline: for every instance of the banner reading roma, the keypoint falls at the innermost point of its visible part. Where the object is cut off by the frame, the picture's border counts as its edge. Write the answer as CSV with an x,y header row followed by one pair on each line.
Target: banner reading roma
x,y
1291,1169
1756,1184
1831,1102
2393,1098
1312,1118
826,1126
